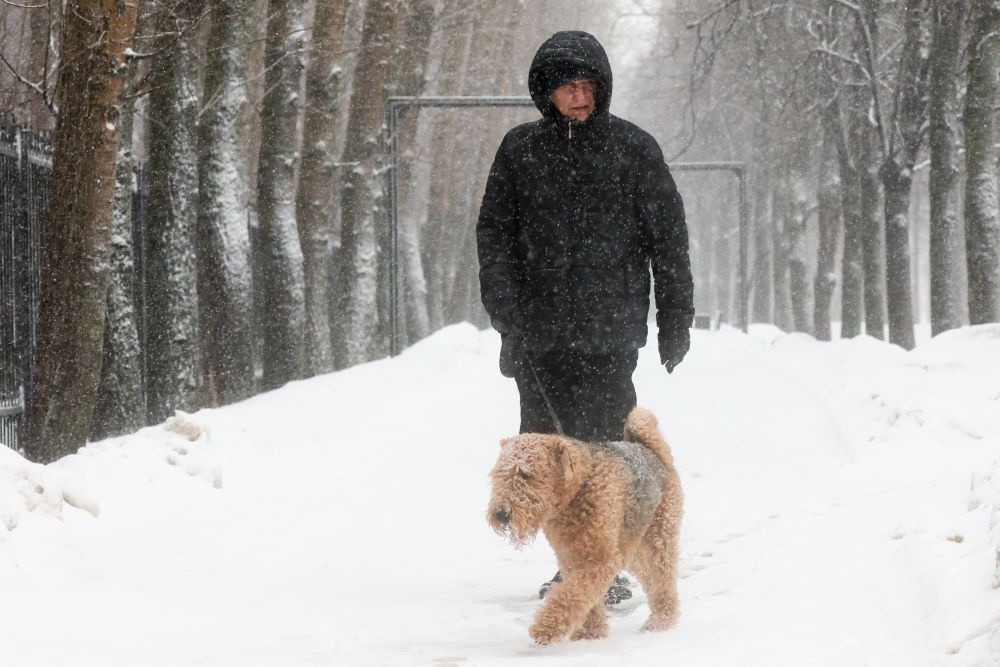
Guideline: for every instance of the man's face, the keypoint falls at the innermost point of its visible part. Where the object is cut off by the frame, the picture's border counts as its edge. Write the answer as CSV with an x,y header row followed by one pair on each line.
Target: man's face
x,y
575,99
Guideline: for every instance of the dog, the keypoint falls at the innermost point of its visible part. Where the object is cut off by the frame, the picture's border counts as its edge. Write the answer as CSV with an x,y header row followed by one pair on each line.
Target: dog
x,y
604,507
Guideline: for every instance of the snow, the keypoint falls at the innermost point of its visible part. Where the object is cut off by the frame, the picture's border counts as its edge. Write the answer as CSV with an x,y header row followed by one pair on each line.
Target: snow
x,y
843,508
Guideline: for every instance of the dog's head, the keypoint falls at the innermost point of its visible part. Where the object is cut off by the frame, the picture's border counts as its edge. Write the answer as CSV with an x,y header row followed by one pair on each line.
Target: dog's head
x,y
531,480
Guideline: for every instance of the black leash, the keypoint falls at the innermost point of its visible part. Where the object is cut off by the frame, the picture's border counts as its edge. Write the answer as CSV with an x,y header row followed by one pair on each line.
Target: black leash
x,y
545,397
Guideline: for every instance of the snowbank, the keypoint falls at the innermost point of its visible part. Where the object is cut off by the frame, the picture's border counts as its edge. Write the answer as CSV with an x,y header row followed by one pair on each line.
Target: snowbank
x,y
843,508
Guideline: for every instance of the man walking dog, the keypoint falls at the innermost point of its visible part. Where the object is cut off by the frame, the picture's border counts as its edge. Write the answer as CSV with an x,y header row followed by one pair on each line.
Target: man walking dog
x,y
578,206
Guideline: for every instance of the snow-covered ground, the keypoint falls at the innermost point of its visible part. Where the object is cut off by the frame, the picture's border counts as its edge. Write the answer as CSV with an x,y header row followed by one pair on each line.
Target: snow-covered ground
x,y
843,508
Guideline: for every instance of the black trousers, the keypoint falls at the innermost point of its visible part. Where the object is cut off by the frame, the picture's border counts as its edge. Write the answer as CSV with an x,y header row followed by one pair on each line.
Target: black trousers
x,y
591,394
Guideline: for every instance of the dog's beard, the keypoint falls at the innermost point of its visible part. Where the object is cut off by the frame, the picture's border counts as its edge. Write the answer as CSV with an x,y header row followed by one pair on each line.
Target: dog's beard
x,y
520,536
520,531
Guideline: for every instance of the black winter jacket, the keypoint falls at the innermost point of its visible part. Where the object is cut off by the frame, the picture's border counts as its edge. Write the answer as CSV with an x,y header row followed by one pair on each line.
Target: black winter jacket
x,y
573,214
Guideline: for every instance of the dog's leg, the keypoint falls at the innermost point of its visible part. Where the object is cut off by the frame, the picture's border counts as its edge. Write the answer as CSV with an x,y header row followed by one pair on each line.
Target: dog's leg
x,y
656,568
595,626
568,604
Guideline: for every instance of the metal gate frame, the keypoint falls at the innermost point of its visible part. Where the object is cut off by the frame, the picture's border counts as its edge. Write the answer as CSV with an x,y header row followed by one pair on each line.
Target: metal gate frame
x,y
399,104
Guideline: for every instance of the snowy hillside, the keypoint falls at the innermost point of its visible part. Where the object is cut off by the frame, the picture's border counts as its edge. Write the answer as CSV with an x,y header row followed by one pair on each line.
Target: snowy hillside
x,y
843,508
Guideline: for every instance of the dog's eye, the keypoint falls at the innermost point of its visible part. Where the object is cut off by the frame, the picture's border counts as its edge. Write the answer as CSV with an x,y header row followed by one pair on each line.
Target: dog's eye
x,y
523,474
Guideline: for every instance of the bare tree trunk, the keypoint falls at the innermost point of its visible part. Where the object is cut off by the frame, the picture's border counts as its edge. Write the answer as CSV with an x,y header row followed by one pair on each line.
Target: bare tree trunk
x,y
852,263
121,402
224,287
458,14
796,220
897,171
172,327
358,297
280,249
484,75
828,221
410,79
780,240
982,217
77,239
872,245
947,308
763,308
315,204
869,132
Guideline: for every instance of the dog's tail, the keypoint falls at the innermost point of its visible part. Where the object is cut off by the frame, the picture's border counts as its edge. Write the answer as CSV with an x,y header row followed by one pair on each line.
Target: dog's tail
x,y
641,427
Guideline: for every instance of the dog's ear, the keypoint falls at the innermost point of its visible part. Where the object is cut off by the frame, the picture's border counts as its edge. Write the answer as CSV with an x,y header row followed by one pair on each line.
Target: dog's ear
x,y
566,457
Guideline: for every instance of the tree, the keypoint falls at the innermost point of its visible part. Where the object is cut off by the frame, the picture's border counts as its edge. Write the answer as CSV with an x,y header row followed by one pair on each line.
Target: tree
x,y
904,136
173,336
982,217
223,236
121,400
797,221
829,225
358,299
947,308
498,23
314,204
852,262
410,78
448,81
77,241
280,248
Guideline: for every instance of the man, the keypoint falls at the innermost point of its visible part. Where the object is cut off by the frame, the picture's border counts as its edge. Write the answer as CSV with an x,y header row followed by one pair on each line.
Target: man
x,y
577,206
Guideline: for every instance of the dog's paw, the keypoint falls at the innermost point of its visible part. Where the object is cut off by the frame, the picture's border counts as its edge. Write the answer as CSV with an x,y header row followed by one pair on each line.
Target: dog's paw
x,y
659,623
543,634
589,633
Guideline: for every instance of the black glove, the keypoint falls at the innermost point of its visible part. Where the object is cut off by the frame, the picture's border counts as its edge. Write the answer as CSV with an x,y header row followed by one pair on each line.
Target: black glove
x,y
509,351
674,341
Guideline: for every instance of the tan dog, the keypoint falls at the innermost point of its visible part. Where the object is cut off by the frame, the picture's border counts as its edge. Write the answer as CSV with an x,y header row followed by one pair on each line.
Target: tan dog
x,y
604,508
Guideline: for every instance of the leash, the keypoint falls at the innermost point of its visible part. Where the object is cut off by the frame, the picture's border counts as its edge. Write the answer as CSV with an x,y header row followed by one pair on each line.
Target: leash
x,y
545,397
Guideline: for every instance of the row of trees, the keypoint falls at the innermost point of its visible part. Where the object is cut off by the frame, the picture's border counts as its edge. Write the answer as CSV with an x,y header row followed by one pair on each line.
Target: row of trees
x,y
838,105
276,106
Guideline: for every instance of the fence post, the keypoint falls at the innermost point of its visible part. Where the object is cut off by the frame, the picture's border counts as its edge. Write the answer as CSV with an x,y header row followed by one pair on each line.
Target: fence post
x,y
22,280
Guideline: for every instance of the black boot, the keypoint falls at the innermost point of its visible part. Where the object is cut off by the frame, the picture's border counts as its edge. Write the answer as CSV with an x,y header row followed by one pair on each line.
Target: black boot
x,y
619,590
549,584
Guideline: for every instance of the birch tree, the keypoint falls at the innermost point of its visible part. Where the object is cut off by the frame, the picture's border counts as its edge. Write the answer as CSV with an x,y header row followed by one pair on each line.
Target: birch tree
x,y
75,270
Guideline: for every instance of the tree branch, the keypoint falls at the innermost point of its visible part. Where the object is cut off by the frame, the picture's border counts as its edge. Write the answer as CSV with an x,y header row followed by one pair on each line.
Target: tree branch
x,y
37,87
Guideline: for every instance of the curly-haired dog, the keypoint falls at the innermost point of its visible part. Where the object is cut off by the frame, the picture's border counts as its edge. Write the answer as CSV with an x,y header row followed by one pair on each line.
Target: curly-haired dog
x,y
604,508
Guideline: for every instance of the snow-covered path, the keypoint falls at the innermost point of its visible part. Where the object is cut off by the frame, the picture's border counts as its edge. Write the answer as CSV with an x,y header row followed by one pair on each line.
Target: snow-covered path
x,y
843,503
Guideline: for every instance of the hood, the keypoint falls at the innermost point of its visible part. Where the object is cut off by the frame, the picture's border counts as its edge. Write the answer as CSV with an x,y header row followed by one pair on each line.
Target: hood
x,y
566,54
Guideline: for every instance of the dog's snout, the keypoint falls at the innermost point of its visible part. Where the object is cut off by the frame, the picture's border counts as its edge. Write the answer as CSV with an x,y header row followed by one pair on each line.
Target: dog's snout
x,y
502,516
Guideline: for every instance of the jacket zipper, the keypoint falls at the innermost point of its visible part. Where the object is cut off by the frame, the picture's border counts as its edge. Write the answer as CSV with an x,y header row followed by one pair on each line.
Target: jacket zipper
x,y
571,130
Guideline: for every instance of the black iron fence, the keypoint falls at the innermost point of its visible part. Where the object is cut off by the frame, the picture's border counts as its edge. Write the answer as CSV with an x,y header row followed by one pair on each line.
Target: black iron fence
x,y
25,175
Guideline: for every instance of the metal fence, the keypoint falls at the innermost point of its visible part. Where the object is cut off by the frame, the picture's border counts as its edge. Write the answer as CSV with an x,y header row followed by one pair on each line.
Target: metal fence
x,y
25,175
